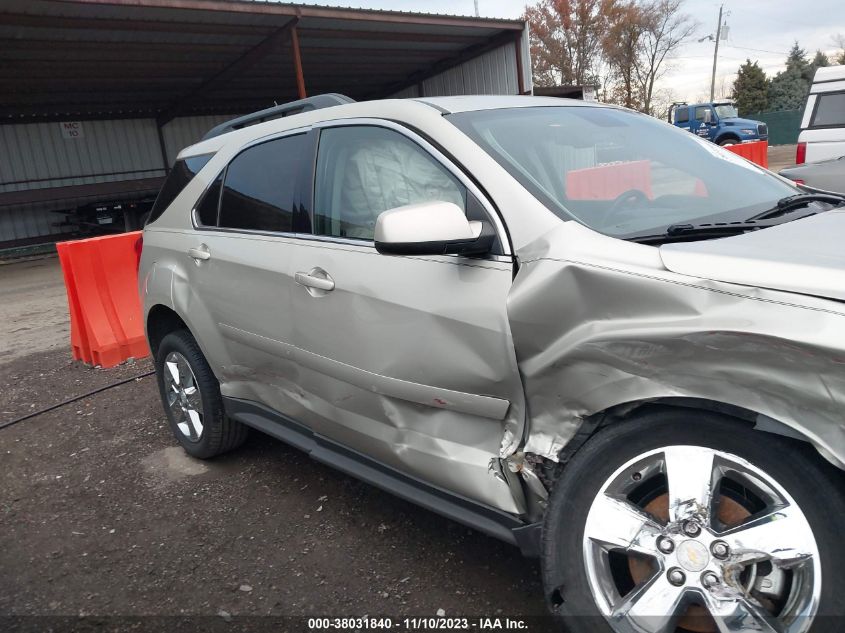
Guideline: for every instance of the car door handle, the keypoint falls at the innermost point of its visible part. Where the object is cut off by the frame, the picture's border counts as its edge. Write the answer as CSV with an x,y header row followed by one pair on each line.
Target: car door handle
x,y
200,253
311,281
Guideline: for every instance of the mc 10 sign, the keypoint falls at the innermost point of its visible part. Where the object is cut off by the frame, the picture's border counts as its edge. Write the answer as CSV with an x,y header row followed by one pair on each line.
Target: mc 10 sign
x,y
71,129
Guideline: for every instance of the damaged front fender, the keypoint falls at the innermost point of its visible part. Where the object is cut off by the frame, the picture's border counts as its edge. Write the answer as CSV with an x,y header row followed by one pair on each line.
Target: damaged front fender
x,y
593,332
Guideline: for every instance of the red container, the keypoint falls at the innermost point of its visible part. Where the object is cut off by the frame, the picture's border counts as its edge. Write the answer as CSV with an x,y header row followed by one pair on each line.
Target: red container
x,y
101,279
756,152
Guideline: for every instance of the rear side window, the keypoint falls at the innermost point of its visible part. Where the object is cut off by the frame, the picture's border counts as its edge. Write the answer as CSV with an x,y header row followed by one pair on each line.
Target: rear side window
x,y
210,203
182,173
682,115
699,112
830,110
259,184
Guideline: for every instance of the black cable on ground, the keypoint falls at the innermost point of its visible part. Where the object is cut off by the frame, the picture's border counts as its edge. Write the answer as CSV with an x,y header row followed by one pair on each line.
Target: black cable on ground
x,y
74,399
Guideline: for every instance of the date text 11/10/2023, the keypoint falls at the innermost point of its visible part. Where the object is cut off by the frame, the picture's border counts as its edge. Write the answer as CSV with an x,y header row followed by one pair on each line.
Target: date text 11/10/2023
x,y
418,623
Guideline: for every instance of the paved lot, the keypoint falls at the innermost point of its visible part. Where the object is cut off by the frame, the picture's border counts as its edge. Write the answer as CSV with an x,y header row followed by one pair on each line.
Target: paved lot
x,y
781,156
33,308
101,514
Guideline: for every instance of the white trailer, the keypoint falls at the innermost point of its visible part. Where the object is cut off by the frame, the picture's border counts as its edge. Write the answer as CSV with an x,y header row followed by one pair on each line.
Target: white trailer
x,y
822,134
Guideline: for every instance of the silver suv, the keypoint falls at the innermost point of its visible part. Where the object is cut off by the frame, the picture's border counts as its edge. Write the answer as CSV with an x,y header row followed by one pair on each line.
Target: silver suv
x,y
570,326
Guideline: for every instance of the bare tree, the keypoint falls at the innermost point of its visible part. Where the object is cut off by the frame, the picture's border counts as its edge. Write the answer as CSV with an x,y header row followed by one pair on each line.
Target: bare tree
x,y
666,29
661,101
724,87
566,39
622,46
839,42
628,43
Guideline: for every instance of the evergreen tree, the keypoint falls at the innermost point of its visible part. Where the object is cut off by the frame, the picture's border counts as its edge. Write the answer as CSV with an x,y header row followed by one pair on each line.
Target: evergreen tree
x,y
751,89
819,61
797,58
789,88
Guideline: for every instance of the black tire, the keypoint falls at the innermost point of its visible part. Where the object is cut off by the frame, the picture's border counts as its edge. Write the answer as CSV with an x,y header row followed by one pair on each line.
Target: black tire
x,y
220,433
728,141
816,487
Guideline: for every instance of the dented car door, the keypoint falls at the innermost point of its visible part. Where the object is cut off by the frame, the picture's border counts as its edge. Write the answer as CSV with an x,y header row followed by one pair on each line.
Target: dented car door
x,y
423,377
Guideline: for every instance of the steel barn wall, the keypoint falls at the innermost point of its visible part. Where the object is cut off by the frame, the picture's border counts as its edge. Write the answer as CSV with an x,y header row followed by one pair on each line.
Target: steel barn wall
x,y
494,72
37,156
40,156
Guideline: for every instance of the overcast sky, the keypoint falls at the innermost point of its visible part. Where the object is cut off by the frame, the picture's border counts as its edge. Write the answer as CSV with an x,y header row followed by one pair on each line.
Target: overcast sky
x,y
770,26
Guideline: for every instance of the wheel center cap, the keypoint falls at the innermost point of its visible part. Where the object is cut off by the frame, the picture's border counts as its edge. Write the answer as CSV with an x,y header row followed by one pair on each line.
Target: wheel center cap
x,y
693,556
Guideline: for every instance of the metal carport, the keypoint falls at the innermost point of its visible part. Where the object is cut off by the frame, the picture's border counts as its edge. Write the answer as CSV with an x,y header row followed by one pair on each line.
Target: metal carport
x,y
140,79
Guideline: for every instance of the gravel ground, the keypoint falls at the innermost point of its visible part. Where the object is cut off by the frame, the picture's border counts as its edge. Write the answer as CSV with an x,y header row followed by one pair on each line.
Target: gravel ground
x,y
33,308
101,514
781,157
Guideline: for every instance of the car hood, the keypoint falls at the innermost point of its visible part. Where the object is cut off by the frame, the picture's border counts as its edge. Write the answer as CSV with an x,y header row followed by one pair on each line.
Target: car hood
x,y
740,122
804,256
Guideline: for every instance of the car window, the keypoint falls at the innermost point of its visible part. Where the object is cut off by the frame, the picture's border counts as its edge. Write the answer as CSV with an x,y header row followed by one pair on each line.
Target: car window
x,y
620,172
830,110
364,170
180,175
210,203
726,111
699,112
682,115
258,187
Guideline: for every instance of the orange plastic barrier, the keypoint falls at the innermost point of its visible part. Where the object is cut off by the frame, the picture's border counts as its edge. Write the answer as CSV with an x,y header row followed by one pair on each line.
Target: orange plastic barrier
x,y
101,279
756,152
607,182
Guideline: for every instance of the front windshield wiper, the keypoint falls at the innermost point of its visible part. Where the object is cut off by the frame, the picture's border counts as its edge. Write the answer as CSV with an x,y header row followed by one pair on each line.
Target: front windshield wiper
x,y
798,201
689,232
685,232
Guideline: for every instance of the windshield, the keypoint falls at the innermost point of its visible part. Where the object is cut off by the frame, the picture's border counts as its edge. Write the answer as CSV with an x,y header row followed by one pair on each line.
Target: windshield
x,y
726,111
619,172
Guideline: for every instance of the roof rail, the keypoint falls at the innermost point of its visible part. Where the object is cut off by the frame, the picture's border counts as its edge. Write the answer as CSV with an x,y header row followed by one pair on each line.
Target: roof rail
x,y
276,112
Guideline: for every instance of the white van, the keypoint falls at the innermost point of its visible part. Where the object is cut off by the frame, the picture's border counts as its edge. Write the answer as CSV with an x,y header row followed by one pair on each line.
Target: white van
x,y
823,124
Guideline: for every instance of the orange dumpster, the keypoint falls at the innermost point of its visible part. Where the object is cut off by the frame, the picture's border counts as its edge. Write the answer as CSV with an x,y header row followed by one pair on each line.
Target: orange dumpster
x,y
78,339
101,279
607,182
756,152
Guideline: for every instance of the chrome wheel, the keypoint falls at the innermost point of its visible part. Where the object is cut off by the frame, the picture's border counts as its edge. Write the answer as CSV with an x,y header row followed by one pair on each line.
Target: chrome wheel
x,y
183,396
694,539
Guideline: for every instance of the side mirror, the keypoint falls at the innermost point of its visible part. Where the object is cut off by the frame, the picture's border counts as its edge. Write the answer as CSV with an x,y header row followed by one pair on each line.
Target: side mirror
x,y
431,228
708,116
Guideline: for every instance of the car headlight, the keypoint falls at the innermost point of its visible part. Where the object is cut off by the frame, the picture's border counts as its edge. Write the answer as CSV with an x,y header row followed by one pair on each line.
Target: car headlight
x,y
748,131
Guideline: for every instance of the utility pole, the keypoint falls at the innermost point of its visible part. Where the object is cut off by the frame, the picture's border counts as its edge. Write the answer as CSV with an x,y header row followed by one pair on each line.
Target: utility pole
x,y
716,54
476,8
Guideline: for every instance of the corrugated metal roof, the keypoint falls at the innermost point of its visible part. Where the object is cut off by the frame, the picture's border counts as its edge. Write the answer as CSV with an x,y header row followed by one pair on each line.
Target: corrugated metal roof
x,y
426,14
94,58
116,9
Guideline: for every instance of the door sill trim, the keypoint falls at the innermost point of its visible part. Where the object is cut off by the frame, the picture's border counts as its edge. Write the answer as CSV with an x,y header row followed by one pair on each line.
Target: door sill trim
x,y
486,519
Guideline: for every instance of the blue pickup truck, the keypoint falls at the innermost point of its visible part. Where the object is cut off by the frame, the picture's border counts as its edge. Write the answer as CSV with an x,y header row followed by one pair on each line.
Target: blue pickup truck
x,y
718,122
